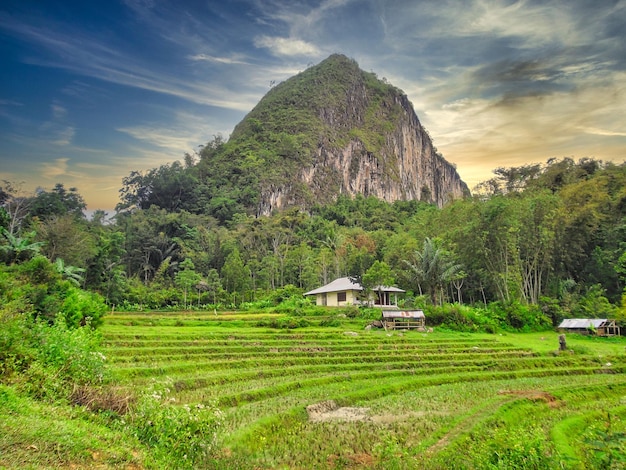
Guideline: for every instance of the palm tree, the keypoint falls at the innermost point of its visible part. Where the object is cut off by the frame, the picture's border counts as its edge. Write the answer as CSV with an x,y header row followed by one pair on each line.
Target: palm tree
x,y
19,248
71,273
433,267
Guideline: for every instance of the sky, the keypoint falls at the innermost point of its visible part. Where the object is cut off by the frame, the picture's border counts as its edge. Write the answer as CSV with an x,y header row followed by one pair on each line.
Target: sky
x,y
90,91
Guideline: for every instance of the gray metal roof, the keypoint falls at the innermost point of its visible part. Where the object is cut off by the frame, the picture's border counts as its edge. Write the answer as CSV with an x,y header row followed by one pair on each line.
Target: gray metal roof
x,y
403,314
345,284
582,323
338,285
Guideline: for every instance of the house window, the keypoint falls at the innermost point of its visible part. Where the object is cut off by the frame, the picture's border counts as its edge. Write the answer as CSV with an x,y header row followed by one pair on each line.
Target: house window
x,y
341,296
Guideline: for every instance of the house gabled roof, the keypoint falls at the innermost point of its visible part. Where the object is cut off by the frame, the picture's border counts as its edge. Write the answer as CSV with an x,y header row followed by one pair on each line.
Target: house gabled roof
x,y
338,285
344,284
582,323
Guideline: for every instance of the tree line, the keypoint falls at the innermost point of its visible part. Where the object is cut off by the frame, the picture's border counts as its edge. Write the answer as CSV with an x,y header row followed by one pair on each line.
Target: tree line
x,y
549,235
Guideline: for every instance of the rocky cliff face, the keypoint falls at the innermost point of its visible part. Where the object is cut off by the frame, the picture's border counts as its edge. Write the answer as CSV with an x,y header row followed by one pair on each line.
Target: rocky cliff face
x,y
406,166
368,140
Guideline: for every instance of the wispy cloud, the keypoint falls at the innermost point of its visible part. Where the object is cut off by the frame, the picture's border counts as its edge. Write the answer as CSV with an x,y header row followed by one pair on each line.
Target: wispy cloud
x,y
219,60
83,54
64,136
58,111
604,132
287,46
183,134
55,169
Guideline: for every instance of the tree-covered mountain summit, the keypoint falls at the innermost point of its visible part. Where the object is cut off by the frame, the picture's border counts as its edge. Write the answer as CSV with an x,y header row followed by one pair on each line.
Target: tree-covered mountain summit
x,y
332,129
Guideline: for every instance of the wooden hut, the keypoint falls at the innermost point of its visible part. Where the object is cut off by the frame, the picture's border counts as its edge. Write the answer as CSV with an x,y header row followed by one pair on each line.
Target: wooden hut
x,y
403,319
590,326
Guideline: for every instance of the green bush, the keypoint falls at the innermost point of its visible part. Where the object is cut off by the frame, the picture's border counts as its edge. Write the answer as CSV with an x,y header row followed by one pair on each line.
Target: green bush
x,y
285,294
61,358
185,436
520,317
42,292
452,316
514,317
43,348
81,308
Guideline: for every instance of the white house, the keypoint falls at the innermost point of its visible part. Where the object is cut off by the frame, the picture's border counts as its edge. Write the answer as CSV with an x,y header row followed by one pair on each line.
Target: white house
x,y
344,291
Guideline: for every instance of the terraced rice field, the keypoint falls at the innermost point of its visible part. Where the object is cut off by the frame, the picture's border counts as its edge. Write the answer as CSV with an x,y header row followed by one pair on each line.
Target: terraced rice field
x,y
345,397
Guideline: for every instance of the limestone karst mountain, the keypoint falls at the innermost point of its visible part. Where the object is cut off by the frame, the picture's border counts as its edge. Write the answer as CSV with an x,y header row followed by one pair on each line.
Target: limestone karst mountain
x,y
333,129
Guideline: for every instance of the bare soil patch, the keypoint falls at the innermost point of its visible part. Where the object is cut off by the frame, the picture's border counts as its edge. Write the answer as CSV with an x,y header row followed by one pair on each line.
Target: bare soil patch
x,y
330,411
533,395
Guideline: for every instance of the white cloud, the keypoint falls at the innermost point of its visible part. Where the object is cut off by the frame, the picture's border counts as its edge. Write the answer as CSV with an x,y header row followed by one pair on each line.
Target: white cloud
x,y
83,54
287,46
64,136
219,60
54,169
169,141
58,111
605,132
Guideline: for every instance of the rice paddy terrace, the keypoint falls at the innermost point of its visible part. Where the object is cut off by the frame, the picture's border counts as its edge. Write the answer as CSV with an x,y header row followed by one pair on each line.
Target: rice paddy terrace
x,y
345,397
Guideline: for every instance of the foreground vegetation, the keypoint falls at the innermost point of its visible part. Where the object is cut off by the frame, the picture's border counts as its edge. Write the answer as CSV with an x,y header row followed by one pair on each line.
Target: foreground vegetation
x,y
231,390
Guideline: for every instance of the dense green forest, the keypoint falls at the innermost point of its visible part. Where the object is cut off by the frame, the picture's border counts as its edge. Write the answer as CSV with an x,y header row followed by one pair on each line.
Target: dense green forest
x,y
533,245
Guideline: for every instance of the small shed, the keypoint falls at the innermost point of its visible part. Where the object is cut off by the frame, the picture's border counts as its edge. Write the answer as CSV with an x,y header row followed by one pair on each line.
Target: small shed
x,y
403,319
588,326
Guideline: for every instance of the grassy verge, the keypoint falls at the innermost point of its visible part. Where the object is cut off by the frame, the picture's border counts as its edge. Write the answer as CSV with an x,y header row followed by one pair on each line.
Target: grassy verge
x,y
34,434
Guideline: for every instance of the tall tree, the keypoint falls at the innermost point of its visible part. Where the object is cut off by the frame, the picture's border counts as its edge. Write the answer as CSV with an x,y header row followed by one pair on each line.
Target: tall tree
x,y
15,205
433,267
376,278
537,234
187,278
57,202
170,187
66,237
235,274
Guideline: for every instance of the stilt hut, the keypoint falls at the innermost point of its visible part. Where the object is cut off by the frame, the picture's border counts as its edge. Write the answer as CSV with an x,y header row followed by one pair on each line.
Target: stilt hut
x,y
403,319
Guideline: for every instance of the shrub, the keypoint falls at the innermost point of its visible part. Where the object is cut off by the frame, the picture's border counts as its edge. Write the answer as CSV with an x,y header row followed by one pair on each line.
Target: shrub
x,y
47,360
452,316
185,435
61,357
80,308
594,304
330,322
282,323
516,316
284,294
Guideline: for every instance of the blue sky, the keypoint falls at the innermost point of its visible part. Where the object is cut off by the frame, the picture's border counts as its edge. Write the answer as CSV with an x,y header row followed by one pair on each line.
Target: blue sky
x,y
90,91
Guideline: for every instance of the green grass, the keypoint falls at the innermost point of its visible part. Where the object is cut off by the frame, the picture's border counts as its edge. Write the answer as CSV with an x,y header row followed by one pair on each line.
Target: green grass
x,y
548,342
512,400
39,435
429,395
